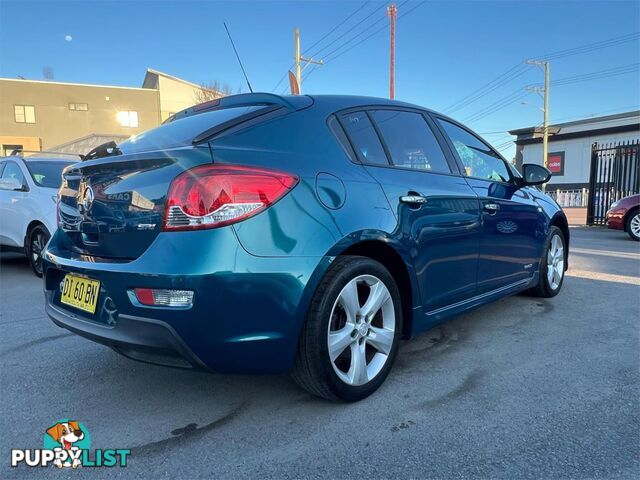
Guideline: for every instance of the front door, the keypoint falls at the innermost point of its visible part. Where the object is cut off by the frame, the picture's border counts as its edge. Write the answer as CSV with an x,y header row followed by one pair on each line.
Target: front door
x,y
438,212
512,222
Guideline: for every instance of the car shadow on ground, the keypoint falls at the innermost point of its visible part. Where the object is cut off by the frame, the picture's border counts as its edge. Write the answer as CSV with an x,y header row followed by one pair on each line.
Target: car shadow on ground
x,y
153,409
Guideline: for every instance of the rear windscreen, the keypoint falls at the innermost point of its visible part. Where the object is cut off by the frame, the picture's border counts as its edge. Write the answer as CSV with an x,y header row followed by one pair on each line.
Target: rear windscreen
x,y
46,174
183,131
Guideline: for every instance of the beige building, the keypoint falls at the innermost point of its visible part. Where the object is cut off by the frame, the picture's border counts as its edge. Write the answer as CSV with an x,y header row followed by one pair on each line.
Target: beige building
x,y
174,94
73,118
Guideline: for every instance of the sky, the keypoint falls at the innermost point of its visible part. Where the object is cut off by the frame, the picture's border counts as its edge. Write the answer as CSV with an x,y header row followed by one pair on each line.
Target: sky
x,y
445,50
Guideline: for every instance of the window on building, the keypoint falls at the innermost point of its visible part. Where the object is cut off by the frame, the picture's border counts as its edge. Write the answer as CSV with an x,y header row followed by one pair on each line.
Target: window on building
x,y
364,138
128,118
410,141
9,149
79,107
24,113
479,159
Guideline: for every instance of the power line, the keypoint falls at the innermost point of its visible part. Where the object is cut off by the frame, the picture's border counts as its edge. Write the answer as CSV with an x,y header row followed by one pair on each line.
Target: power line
x,y
610,72
497,105
364,4
370,35
383,18
581,117
322,38
514,97
371,14
515,71
592,46
511,74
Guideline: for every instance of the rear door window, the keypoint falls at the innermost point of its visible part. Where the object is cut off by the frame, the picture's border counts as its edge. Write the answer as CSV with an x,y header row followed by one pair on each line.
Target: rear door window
x,y
364,138
410,141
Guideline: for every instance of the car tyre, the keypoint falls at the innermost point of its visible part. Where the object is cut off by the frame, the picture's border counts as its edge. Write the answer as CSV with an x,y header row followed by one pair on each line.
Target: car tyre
x,y
352,331
552,265
36,240
633,225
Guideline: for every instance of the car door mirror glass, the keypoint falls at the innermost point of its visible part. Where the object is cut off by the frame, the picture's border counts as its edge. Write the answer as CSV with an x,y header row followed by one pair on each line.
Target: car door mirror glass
x,y
534,174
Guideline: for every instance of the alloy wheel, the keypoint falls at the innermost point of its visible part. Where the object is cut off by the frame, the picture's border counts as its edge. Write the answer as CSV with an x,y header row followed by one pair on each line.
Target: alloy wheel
x,y
361,330
555,262
634,225
38,241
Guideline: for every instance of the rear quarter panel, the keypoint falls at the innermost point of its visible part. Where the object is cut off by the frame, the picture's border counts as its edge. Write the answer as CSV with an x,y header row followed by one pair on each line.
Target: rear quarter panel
x,y
301,224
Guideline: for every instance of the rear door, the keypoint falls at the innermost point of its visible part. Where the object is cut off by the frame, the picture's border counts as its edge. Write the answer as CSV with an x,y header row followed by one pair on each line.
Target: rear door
x,y
438,213
512,222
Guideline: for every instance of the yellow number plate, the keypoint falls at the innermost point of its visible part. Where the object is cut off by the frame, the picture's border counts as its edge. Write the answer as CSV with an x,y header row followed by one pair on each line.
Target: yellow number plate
x,y
80,292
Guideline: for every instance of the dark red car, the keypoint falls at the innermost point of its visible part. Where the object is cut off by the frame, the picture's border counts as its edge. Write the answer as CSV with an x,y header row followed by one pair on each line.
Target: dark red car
x,y
625,215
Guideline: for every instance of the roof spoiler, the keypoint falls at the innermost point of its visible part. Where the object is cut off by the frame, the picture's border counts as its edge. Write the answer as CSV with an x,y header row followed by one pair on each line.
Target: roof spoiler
x,y
245,99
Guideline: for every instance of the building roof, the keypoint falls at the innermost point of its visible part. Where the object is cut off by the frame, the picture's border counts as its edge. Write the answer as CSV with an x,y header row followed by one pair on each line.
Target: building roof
x,y
50,82
147,84
582,128
149,80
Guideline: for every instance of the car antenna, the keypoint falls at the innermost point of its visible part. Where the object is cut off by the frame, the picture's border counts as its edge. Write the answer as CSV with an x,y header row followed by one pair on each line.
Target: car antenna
x,y
238,57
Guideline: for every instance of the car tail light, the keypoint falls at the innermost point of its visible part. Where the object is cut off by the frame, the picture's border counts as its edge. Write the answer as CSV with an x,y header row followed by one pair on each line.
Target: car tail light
x,y
156,297
210,196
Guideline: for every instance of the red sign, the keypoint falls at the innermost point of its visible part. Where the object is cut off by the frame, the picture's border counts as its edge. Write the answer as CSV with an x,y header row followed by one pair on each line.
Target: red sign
x,y
555,163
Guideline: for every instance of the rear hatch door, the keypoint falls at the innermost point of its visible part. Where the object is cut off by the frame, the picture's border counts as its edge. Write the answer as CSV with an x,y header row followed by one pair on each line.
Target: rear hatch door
x,y
114,207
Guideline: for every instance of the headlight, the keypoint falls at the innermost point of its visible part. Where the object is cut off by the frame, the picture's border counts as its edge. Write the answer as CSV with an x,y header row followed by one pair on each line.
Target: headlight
x,y
54,198
614,204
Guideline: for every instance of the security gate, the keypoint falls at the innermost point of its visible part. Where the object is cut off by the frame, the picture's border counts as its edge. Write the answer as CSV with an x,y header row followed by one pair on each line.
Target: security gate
x,y
615,173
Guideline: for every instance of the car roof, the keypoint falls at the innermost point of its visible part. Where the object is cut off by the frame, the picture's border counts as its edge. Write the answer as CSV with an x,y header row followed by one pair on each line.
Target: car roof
x,y
46,159
342,102
347,101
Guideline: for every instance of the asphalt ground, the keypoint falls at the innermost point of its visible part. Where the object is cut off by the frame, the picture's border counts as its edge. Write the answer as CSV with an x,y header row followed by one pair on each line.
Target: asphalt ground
x,y
521,388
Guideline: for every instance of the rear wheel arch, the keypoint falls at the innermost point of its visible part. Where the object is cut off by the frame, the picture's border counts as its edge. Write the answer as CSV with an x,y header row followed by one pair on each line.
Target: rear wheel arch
x,y
382,252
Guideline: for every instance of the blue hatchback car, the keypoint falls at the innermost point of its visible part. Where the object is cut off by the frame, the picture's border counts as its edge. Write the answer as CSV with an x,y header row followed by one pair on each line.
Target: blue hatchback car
x,y
262,233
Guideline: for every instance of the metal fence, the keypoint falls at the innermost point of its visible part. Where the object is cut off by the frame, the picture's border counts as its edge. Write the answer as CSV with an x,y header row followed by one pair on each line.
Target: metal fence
x,y
570,198
615,173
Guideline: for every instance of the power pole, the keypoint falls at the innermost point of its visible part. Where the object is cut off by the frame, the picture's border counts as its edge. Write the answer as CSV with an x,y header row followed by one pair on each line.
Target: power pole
x,y
545,109
392,12
299,58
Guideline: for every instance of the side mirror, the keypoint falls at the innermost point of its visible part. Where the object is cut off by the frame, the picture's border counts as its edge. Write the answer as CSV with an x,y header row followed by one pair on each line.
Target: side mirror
x,y
534,174
11,184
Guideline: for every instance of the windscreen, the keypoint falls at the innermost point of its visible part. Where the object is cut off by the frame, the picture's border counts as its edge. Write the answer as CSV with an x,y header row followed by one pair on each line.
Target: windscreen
x,y
183,131
46,174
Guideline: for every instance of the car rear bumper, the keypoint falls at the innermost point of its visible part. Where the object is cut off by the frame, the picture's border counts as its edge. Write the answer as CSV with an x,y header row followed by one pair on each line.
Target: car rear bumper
x,y
139,338
246,314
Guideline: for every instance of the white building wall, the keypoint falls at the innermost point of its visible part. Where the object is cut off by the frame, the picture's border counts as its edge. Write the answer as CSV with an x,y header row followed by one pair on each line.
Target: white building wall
x,y
577,155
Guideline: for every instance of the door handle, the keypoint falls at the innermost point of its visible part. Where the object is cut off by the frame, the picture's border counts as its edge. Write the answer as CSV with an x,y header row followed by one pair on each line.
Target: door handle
x,y
491,208
414,199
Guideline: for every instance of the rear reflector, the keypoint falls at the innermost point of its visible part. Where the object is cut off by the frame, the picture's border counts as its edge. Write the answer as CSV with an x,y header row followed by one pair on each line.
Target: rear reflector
x,y
155,297
210,196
